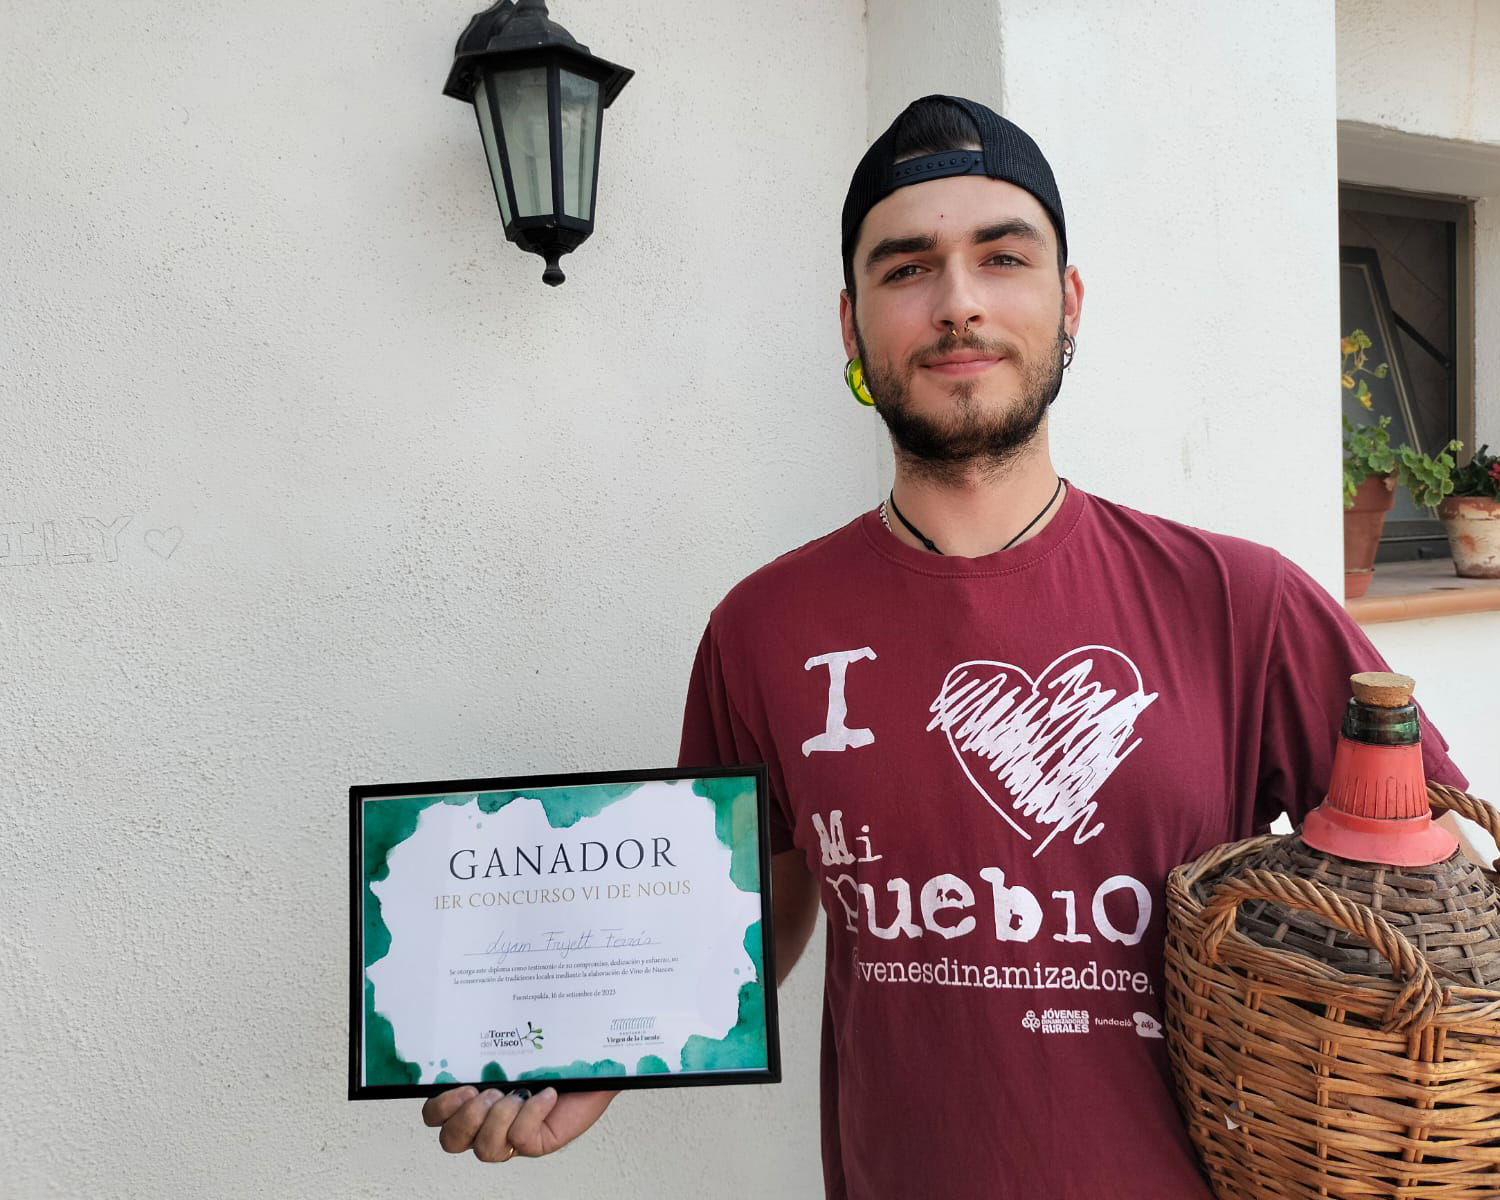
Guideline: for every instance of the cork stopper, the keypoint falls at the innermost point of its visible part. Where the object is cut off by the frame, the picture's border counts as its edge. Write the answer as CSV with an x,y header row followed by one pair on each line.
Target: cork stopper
x,y
1382,689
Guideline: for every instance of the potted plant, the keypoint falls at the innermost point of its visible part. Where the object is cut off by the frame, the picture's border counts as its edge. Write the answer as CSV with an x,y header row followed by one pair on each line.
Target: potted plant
x,y
1373,469
1369,493
1471,517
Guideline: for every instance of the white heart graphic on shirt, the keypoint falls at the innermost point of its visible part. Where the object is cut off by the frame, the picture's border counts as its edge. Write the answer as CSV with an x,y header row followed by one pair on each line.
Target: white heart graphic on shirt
x,y
1039,749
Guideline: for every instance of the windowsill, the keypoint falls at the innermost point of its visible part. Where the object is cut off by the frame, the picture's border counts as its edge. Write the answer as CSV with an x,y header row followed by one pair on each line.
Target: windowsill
x,y
1414,591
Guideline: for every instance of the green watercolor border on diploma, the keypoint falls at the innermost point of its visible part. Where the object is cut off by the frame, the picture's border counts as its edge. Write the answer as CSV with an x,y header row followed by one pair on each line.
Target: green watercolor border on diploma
x,y
743,1048
603,1069
389,822
735,825
564,806
383,1065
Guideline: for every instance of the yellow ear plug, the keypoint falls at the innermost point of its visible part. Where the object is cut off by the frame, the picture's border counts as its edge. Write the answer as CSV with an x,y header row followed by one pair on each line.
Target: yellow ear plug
x,y
854,376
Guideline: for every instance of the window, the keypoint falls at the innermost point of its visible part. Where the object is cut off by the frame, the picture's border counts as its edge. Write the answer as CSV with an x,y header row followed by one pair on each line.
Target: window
x,y
1409,255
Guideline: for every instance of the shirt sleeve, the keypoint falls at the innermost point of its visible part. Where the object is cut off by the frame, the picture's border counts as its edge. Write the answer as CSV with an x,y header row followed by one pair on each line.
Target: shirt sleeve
x,y
713,735
1315,646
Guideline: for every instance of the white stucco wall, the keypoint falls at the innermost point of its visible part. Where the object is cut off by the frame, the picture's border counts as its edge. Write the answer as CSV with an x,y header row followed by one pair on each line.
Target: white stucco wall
x,y
1424,66
384,507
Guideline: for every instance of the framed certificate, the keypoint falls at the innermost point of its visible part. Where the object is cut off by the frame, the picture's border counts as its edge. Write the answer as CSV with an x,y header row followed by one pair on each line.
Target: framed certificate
x,y
602,930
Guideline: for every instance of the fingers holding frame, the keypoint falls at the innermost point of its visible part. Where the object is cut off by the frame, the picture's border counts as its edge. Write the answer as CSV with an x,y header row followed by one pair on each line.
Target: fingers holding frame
x,y
439,1108
492,1141
462,1126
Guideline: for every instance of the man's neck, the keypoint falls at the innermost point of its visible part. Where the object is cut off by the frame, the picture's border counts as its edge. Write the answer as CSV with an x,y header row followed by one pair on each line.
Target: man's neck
x,y
978,512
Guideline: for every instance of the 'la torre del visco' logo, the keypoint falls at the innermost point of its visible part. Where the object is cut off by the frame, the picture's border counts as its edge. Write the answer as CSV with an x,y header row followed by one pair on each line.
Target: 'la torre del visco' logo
x,y
529,1038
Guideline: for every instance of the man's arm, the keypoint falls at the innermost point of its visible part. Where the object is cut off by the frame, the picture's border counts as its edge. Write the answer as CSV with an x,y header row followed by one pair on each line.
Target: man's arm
x,y
794,909
712,732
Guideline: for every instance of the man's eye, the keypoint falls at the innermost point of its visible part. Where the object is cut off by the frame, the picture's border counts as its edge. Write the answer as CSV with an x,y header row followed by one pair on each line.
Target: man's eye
x,y
1006,260
905,272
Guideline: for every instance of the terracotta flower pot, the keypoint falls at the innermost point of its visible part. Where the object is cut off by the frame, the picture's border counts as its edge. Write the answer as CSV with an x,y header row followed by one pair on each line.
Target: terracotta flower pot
x,y
1363,524
1473,527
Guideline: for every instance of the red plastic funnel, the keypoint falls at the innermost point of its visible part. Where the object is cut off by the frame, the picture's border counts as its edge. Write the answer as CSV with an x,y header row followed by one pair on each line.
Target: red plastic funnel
x,y
1376,810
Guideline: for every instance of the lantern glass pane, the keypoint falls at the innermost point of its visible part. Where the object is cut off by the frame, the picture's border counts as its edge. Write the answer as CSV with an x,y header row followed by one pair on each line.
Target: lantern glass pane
x,y
491,149
523,116
580,137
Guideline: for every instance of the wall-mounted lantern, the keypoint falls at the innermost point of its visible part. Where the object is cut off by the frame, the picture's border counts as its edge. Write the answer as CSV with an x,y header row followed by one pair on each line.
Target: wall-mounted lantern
x,y
540,99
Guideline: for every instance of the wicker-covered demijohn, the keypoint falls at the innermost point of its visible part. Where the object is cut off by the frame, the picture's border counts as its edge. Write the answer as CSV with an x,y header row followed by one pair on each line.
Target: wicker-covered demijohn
x,y
1334,1025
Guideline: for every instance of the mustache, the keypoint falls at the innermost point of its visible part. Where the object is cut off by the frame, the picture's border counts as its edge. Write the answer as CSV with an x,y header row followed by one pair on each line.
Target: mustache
x,y
944,346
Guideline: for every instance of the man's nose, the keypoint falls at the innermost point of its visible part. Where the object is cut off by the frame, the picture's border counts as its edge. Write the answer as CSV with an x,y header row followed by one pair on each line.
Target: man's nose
x,y
957,307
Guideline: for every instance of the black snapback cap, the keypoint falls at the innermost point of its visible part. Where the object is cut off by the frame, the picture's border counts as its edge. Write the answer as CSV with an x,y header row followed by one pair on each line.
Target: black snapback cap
x,y
1006,152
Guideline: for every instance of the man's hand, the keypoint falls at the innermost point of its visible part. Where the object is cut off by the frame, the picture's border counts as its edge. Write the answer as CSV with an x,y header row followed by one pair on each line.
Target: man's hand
x,y
497,1125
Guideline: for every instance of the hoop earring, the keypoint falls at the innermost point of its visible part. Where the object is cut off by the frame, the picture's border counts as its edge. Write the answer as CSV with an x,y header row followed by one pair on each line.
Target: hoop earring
x,y
1070,348
854,376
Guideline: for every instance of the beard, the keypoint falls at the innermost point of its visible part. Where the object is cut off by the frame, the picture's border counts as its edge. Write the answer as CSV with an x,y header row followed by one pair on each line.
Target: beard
x,y
945,448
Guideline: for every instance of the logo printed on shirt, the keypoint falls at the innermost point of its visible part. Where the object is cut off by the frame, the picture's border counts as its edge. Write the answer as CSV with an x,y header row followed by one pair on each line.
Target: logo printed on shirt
x,y
1057,1020
1038,750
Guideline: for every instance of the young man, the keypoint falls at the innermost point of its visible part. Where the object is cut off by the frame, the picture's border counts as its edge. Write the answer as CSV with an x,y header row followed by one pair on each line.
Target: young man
x,y
996,712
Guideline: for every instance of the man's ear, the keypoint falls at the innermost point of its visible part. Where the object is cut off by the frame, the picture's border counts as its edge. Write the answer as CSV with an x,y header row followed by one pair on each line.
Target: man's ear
x,y
846,324
1072,299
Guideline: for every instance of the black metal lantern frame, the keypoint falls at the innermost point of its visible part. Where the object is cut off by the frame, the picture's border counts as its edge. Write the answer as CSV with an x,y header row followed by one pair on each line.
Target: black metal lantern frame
x,y
498,56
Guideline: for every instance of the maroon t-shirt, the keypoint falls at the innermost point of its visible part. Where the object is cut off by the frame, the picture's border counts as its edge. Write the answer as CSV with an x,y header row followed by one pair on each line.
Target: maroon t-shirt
x,y
991,764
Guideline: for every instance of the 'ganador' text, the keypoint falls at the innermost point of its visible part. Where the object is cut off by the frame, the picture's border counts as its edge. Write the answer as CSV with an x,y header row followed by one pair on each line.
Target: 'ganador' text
x,y
561,859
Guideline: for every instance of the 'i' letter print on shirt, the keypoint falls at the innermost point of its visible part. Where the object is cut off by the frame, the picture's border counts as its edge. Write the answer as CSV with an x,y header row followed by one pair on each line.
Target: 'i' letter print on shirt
x,y
836,735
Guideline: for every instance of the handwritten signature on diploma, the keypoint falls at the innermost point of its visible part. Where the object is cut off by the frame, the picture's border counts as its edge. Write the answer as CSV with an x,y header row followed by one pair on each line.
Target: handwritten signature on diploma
x,y
562,943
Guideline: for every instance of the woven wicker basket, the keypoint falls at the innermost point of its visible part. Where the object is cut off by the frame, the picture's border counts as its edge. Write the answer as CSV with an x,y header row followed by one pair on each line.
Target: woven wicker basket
x,y
1302,1078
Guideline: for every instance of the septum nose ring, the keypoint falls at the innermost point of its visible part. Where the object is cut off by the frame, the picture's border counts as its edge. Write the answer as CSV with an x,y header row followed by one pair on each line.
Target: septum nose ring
x,y
953,329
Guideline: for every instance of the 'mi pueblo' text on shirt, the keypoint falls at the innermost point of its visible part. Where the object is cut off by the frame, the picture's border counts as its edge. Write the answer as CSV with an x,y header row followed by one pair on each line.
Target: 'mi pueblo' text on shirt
x,y
561,859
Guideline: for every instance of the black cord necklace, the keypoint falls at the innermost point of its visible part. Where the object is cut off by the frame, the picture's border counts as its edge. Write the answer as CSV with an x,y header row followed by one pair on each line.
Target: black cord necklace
x,y
927,541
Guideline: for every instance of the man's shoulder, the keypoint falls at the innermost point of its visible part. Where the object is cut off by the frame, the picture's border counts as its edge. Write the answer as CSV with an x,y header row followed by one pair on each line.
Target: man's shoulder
x,y
812,564
1186,548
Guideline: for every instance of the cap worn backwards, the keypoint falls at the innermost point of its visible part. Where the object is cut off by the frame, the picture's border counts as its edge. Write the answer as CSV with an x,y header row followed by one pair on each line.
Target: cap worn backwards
x,y
1006,152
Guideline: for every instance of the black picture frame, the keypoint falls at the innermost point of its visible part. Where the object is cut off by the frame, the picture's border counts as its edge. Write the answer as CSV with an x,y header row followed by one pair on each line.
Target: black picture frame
x,y
362,794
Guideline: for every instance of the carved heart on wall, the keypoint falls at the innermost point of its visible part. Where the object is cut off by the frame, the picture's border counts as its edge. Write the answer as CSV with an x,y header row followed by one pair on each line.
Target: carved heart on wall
x,y
163,541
